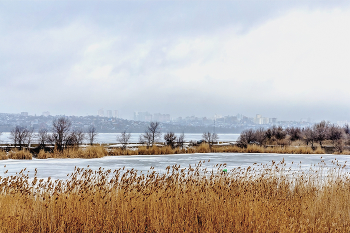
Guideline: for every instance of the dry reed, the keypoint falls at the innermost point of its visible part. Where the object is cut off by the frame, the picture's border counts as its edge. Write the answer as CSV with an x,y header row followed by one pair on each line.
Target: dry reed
x,y
87,153
258,199
3,155
19,154
205,148
100,151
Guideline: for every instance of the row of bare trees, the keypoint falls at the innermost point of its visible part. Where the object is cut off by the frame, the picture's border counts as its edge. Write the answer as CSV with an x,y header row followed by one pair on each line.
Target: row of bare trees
x,y
21,136
318,133
61,135
152,135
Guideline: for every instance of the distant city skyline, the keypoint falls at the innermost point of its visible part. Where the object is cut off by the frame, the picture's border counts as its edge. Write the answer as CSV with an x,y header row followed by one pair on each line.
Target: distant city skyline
x,y
164,117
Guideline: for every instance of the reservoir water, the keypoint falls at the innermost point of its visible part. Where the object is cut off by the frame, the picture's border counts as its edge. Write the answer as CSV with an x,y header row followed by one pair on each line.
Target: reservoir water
x,y
111,138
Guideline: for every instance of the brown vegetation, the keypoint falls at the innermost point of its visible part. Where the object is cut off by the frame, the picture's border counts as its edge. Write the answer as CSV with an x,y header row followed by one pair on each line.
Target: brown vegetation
x,y
87,153
322,133
100,151
3,155
19,154
258,199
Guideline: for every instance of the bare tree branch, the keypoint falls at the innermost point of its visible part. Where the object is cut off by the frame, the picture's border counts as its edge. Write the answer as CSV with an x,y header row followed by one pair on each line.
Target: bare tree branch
x,y
60,132
151,135
180,140
210,138
92,134
43,137
124,138
170,139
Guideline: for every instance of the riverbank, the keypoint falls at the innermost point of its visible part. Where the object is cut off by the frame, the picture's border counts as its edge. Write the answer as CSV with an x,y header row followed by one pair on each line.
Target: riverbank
x,y
101,151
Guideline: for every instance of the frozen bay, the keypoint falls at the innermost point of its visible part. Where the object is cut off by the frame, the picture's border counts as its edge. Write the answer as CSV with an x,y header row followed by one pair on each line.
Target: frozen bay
x,y
59,168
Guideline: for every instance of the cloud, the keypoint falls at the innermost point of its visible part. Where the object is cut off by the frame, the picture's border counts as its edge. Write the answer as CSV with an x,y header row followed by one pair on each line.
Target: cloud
x,y
290,64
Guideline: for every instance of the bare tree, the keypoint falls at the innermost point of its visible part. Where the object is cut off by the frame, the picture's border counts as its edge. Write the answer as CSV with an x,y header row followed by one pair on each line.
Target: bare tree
x,y
335,133
29,136
43,137
92,134
294,133
124,138
151,135
260,136
246,137
21,136
278,133
75,138
145,138
346,129
170,139
210,138
320,130
180,140
60,132
309,136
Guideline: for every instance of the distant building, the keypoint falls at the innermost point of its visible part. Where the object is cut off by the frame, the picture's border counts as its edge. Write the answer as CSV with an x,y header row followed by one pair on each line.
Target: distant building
x,y
142,116
101,112
161,117
46,114
116,114
273,120
260,120
24,113
109,114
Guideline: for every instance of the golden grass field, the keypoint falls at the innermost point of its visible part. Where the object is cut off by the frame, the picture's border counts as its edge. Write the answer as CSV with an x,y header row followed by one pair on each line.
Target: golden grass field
x,y
257,199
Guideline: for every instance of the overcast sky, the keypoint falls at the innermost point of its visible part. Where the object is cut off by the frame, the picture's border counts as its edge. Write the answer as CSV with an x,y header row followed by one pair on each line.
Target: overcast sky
x,y
284,59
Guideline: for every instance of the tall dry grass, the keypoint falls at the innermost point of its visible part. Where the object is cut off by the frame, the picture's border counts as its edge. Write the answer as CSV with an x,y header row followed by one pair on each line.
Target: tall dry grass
x,y
205,148
100,151
271,149
87,153
3,155
258,199
19,154
143,150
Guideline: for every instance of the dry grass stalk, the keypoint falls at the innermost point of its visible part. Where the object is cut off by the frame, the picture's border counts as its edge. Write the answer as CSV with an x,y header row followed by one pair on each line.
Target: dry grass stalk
x,y
19,154
3,155
258,199
87,153
100,151
205,148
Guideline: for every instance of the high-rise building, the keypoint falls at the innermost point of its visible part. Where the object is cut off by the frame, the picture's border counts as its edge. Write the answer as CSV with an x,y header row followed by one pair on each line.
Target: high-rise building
x,y
116,114
109,114
161,117
24,113
101,112
46,114
273,120
142,116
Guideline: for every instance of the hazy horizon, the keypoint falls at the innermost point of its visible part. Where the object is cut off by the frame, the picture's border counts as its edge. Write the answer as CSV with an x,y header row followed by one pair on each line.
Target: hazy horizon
x,y
283,59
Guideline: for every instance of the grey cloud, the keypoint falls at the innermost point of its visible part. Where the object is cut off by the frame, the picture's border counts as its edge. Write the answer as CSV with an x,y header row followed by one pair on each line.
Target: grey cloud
x,y
44,63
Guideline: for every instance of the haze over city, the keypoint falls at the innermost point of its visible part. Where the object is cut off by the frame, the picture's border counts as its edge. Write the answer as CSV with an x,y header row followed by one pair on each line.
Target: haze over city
x,y
282,59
